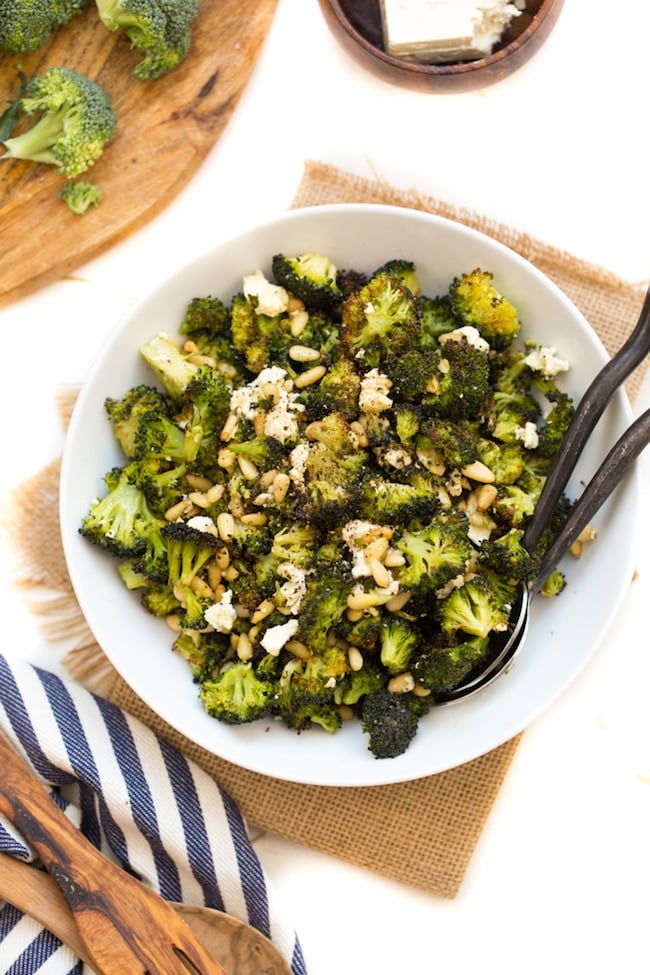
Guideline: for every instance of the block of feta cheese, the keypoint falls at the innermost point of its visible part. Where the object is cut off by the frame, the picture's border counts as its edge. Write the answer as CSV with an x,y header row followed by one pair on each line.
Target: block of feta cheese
x,y
437,31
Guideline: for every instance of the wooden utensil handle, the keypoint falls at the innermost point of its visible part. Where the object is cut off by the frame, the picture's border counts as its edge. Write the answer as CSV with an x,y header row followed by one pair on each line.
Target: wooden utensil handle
x,y
125,925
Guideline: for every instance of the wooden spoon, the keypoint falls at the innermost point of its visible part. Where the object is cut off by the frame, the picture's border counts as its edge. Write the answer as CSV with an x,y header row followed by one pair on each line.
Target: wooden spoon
x,y
125,926
240,948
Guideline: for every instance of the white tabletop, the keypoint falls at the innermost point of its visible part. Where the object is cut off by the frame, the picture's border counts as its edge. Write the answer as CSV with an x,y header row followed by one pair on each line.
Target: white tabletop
x,y
561,877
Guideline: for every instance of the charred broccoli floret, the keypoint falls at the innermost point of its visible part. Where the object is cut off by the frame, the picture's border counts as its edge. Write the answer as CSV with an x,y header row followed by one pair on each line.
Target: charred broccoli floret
x,y
398,642
305,696
476,301
390,721
310,277
120,522
75,124
507,556
130,415
476,608
159,29
442,668
380,320
435,554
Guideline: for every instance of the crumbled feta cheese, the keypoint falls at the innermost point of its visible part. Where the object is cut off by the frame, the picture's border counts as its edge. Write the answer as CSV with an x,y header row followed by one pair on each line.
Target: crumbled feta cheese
x,y
397,457
281,421
373,395
276,636
222,615
294,589
445,30
298,459
203,523
357,534
546,361
528,435
272,299
468,333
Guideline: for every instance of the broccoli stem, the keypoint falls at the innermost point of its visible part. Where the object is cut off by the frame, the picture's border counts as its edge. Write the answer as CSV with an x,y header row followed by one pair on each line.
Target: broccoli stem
x,y
36,144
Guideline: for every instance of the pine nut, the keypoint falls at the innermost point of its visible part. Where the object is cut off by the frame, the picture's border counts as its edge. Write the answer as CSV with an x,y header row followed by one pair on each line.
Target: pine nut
x,y
173,623
201,588
394,558
244,647
197,482
298,320
256,518
354,615
310,377
294,304
377,549
380,573
280,486
199,499
226,459
355,659
420,691
229,426
268,477
225,526
177,510
231,573
298,649
303,353
202,360
215,493
362,600
401,684
576,549
247,467
222,557
486,496
264,609
477,471
398,602
214,574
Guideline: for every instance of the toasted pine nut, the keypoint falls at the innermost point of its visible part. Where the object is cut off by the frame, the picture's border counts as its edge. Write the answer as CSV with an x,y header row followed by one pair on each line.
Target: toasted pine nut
x,y
420,691
199,499
310,377
297,322
190,346
202,360
298,649
177,510
244,647
173,623
477,471
268,477
355,658
354,615
225,525
401,684
229,426
231,573
486,496
587,534
201,587
294,304
264,609
362,600
576,549
197,482
222,557
346,712
398,602
303,353
247,467
380,573
257,518
213,573
377,548
280,486
393,558
215,493
226,459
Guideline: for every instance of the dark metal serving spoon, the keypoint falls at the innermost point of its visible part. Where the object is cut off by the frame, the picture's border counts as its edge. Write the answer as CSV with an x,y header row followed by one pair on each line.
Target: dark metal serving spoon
x,y
609,474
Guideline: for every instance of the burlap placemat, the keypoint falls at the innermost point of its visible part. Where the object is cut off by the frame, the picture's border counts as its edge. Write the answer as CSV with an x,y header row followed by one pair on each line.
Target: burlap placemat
x,y
421,833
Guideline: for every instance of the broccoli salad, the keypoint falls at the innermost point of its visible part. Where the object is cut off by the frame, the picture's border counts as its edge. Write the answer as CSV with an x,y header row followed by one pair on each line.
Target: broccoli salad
x,y
325,487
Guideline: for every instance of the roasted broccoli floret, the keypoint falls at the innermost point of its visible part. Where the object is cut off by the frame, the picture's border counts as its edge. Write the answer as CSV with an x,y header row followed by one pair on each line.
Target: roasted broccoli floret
x,y
120,522
390,721
206,404
160,29
398,640
25,25
477,608
205,652
404,270
305,696
259,337
554,583
396,503
435,554
80,195
75,124
263,451
310,277
323,606
476,301
337,392
442,668
506,555
143,424
436,319
238,695
556,422
380,321
169,363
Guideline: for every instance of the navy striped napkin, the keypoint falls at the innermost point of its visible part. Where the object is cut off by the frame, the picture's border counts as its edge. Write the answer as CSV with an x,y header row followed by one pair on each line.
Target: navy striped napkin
x,y
138,800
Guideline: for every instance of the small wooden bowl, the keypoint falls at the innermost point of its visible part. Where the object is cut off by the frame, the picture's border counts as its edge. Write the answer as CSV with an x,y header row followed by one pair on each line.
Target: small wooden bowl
x,y
357,24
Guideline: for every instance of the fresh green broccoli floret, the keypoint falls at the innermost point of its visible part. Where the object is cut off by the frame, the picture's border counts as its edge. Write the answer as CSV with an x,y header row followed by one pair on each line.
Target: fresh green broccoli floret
x,y
169,363
310,277
434,555
477,608
398,641
160,29
238,695
25,25
506,555
120,522
390,721
80,195
380,320
442,668
476,301
76,122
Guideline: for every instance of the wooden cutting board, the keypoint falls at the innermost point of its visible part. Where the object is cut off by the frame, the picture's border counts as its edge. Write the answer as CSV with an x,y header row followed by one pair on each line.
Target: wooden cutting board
x,y
165,128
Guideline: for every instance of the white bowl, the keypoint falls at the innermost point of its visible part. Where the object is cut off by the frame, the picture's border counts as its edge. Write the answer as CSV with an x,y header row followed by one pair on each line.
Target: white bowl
x,y
564,632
